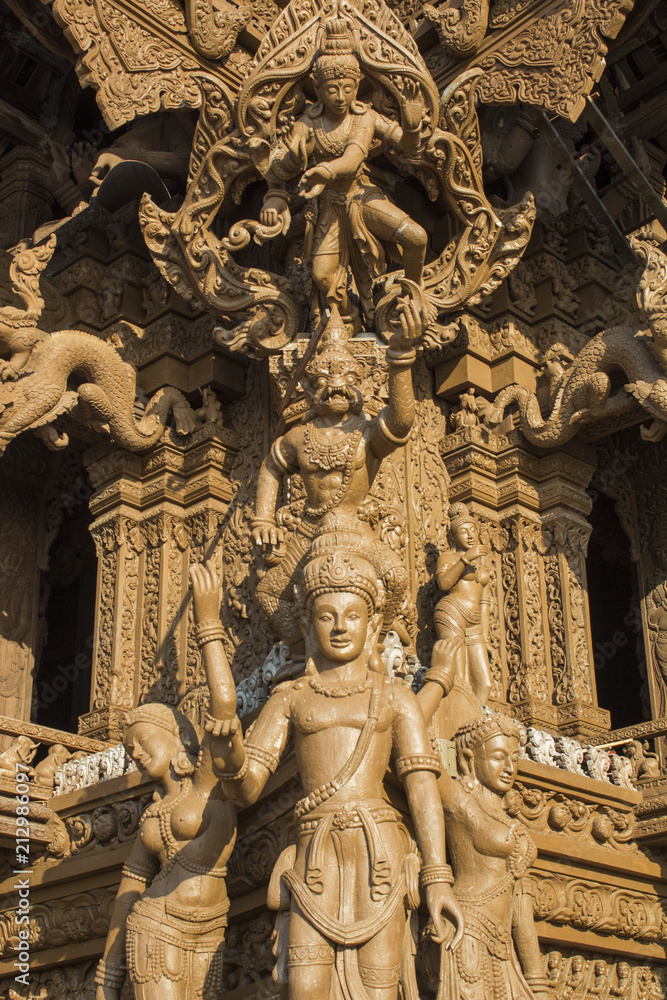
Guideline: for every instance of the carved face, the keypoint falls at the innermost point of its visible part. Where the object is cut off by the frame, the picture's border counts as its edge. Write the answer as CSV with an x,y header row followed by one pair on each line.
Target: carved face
x,y
577,963
623,970
497,763
335,386
464,535
151,747
337,95
340,625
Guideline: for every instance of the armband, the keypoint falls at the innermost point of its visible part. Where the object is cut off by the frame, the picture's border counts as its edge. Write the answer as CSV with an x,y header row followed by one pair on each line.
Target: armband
x,y
264,757
418,762
112,976
436,873
142,873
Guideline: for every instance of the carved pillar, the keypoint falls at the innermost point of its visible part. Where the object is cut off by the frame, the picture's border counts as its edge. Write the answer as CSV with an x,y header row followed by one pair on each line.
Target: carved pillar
x,y
25,200
154,516
532,511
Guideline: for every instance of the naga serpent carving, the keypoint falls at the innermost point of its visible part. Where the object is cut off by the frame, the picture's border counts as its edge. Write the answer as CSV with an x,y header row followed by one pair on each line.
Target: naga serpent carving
x,y
39,369
580,388
104,400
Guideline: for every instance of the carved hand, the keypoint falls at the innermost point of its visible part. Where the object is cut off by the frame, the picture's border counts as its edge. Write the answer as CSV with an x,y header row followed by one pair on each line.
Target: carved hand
x,y
314,181
274,211
411,325
441,900
267,534
412,106
205,591
476,552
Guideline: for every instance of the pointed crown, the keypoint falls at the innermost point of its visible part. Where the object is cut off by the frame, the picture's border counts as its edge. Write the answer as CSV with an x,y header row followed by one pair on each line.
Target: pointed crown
x,y
336,57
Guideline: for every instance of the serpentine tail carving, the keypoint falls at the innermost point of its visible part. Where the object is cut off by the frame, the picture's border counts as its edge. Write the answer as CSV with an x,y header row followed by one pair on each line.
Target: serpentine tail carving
x,y
580,387
104,400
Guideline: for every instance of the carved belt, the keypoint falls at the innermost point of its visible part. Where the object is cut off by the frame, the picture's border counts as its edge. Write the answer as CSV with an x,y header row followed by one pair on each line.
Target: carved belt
x,y
465,621
186,927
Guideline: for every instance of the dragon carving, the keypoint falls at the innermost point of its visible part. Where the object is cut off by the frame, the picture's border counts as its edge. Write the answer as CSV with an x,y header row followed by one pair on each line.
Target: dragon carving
x,y
48,375
580,388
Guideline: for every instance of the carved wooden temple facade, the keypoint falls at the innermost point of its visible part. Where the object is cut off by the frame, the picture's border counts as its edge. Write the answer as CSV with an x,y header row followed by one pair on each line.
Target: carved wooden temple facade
x,y
345,300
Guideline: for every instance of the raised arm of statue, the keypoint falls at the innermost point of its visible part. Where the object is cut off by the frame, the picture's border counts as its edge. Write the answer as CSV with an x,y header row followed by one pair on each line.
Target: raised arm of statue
x,y
394,423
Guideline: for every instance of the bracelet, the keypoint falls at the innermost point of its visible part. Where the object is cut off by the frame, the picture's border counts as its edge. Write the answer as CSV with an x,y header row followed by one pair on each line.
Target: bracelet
x,y
112,975
277,193
400,359
537,980
436,873
209,631
240,774
257,522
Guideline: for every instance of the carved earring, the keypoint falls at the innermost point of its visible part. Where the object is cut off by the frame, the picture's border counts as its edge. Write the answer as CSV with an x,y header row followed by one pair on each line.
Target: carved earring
x,y
183,765
469,783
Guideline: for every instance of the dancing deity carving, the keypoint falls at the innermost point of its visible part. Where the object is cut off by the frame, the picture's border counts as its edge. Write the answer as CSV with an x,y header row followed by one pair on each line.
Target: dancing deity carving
x,y
458,682
337,450
168,923
345,890
490,853
326,200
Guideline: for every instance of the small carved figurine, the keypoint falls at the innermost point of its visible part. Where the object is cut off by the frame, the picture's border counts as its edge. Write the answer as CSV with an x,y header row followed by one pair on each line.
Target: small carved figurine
x,y
490,854
45,771
169,918
20,752
344,891
460,675
337,450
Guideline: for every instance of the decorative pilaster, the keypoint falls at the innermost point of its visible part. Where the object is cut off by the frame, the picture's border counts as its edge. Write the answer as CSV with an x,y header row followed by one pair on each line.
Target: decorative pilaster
x,y
154,516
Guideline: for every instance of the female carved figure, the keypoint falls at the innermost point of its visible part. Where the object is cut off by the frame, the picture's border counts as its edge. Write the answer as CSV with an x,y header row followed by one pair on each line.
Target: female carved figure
x,y
172,897
460,670
350,880
490,854
350,216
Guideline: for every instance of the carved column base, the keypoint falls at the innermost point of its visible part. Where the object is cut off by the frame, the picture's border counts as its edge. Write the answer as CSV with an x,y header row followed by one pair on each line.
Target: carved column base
x,y
580,720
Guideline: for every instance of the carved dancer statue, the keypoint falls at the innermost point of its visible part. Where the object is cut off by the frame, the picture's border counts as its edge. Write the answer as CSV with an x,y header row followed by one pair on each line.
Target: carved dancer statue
x,y
580,387
358,244
490,854
172,898
337,450
458,682
351,877
350,216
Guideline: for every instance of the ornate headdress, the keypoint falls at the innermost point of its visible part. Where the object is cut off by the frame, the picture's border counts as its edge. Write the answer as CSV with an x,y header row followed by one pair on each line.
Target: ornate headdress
x,y
472,734
459,514
167,718
336,58
333,350
339,561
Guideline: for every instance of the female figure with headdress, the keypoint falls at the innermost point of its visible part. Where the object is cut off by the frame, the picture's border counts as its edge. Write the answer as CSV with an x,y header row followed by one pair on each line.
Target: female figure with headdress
x,y
490,853
350,217
168,923
345,889
458,683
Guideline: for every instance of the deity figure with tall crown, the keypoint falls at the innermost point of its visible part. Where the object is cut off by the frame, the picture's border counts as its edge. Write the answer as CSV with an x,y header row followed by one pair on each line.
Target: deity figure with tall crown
x,y
350,216
344,892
